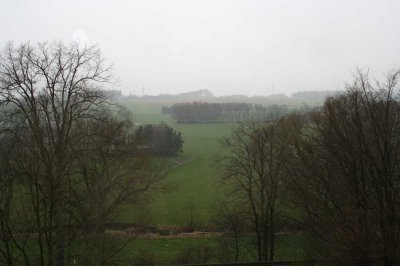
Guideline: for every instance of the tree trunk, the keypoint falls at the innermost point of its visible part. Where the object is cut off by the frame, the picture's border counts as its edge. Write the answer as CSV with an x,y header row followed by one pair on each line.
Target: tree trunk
x,y
59,218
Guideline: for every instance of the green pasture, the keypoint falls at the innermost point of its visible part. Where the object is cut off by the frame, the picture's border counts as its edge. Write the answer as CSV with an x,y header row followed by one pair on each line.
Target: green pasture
x,y
170,250
166,251
161,251
147,112
193,186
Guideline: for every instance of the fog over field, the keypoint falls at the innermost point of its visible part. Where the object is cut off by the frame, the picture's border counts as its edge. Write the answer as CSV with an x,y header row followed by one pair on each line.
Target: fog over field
x,y
226,46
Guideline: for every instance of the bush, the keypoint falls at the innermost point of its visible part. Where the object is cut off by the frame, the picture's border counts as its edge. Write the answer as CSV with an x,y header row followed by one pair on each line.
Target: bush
x,y
159,139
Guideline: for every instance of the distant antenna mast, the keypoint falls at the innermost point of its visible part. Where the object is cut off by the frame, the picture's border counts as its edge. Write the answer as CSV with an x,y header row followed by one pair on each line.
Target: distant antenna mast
x,y
273,88
142,91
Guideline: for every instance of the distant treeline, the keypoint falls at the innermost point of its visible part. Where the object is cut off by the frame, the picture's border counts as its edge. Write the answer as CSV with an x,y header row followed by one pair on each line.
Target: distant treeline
x,y
310,97
203,112
314,95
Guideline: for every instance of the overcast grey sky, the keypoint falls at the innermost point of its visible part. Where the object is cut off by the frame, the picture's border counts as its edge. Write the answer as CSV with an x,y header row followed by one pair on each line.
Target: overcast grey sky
x,y
226,46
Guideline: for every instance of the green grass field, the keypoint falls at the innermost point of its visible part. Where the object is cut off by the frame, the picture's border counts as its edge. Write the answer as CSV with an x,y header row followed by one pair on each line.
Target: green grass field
x,y
171,250
195,188
196,181
194,184
166,251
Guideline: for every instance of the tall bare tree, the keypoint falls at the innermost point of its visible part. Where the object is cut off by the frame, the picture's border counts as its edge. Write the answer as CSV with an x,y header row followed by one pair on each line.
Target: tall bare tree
x,y
48,88
254,160
346,172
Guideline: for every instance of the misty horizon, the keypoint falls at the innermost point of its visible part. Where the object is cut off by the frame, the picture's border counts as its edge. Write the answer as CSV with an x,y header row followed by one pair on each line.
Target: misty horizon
x,y
228,47
140,93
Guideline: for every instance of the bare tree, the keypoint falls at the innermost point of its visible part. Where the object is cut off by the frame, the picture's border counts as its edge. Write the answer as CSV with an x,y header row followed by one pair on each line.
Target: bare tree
x,y
255,166
346,172
73,162
48,89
